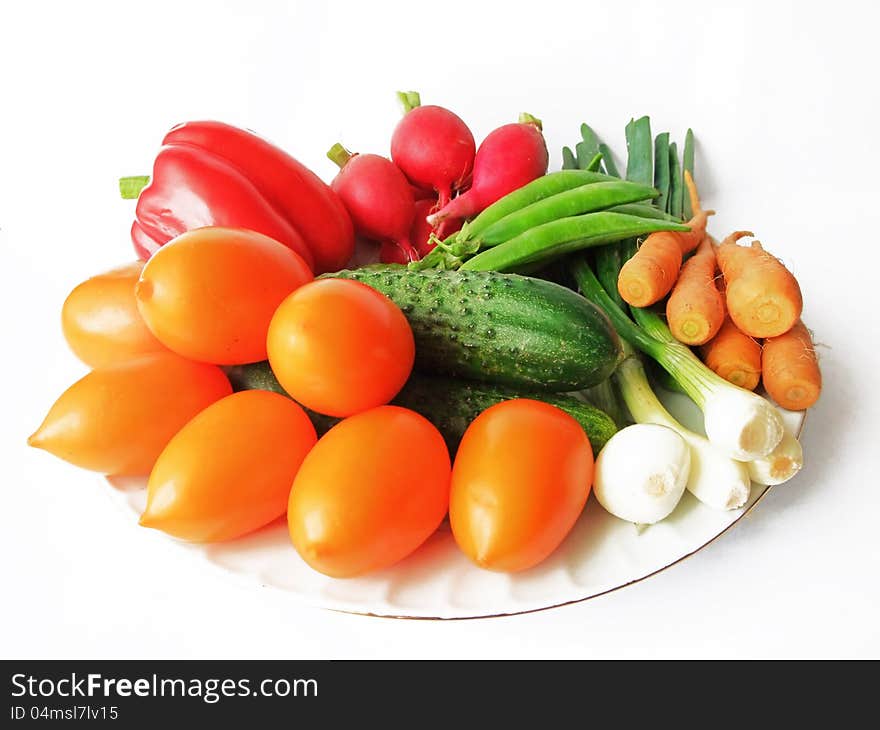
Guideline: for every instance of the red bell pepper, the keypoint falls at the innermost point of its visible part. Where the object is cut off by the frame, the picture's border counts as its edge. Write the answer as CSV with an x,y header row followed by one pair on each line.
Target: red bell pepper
x,y
214,174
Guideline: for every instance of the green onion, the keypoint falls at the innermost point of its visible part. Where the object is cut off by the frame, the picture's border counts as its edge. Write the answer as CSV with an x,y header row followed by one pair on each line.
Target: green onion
x,y
742,424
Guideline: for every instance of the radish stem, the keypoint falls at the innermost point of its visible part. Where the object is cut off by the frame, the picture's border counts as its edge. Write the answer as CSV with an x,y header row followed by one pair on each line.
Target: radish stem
x,y
339,155
410,100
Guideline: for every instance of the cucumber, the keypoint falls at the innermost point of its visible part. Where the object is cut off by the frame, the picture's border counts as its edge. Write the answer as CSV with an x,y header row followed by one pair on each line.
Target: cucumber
x,y
259,376
452,404
514,330
448,403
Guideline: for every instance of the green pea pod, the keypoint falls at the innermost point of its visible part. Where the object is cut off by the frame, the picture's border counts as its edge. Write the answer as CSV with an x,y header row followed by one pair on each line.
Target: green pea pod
x,y
448,253
644,211
543,187
585,199
564,236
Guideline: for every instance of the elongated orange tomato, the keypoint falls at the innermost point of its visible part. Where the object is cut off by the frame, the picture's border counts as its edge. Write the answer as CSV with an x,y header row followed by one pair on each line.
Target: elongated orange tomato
x,y
101,321
373,489
521,477
116,420
340,347
229,471
210,293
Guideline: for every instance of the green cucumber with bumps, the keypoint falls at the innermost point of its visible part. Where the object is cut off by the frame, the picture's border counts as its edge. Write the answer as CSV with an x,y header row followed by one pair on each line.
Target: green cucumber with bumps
x,y
450,404
508,329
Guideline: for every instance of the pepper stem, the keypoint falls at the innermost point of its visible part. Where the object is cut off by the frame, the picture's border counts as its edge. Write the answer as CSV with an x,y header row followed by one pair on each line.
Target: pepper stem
x,y
526,118
130,187
338,154
410,100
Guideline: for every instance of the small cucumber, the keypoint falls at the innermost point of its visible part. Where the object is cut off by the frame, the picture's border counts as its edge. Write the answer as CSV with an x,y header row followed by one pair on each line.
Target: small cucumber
x,y
452,404
514,330
448,403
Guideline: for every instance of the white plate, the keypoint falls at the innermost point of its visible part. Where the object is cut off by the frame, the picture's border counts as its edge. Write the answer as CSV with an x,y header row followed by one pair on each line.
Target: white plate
x,y
600,555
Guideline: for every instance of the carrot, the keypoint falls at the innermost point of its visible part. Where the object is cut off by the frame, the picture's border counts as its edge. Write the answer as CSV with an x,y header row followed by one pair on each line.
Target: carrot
x,y
791,369
763,298
691,239
695,310
734,356
650,274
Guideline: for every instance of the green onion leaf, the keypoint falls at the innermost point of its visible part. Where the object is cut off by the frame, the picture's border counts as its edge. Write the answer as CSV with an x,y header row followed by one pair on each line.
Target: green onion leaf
x,y
640,151
688,164
676,191
661,169
608,160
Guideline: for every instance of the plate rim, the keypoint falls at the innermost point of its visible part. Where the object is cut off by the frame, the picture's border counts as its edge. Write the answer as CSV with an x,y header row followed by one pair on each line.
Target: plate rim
x,y
403,617
252,580
573,601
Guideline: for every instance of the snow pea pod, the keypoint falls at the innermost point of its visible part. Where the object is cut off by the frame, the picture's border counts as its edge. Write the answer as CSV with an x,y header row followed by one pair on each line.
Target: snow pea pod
x,y
563,236
585,199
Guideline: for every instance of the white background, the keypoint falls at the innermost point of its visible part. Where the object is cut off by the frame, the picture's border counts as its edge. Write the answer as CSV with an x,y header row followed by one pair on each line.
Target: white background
x,y
783,98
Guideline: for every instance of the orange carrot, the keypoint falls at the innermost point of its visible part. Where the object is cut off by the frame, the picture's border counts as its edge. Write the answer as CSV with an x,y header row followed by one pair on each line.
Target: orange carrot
x,y
695,310
763,298
691,239
649,275
734,356
791,369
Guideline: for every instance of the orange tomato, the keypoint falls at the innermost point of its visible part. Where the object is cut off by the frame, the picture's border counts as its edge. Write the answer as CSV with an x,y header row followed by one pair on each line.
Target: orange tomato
x,y
521,478
116,420
228,472
340,347
373,489
101,321
210,293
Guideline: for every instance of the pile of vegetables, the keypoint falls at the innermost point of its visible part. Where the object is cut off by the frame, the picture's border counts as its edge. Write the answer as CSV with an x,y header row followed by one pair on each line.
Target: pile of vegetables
x,y
496,366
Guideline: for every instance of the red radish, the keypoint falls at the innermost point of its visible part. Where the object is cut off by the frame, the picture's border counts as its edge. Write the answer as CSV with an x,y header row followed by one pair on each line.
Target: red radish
x,y
508,158
391,253
433,147
419,234
423,194
377,195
